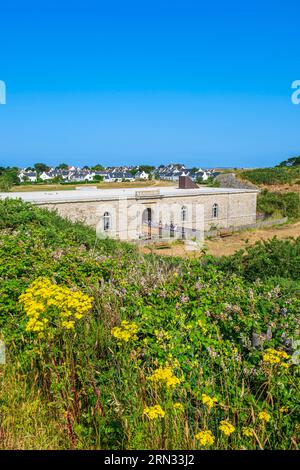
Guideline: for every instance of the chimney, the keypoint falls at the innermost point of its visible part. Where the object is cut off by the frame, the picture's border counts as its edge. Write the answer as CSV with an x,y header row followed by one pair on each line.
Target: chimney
x,y
186,183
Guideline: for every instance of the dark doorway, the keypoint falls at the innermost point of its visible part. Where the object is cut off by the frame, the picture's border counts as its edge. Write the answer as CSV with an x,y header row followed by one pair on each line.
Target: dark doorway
x,y
147,222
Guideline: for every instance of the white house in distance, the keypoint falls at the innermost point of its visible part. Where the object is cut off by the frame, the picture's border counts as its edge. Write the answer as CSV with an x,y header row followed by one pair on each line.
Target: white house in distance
x,y
141,175
115,174
44,176
203,174
89,177
27,176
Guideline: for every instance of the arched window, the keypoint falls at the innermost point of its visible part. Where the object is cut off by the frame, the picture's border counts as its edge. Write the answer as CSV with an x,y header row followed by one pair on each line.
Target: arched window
x,y
215,211
184,213
106,221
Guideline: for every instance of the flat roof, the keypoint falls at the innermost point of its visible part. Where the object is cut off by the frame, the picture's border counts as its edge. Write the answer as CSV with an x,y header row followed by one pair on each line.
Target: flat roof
x,y
80,195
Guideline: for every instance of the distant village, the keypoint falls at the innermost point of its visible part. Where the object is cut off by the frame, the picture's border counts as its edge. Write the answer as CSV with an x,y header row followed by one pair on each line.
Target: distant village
x,y
71,174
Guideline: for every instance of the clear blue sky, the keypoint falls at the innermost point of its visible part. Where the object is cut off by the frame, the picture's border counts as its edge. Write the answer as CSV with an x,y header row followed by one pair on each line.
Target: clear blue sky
x,y
136,81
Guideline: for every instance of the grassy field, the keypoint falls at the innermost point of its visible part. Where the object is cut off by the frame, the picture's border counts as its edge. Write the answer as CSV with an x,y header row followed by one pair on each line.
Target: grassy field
x,y
108,348
65,187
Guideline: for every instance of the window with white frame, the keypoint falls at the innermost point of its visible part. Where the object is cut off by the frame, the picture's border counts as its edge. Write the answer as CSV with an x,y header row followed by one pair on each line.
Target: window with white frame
x,y
106,221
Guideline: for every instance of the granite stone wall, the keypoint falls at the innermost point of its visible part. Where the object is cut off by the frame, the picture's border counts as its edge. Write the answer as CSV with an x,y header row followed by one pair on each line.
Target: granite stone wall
x,y
234,210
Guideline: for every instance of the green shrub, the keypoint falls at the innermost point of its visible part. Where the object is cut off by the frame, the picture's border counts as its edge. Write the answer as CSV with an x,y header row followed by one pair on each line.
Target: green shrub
x,y
276,175
265,259
280,204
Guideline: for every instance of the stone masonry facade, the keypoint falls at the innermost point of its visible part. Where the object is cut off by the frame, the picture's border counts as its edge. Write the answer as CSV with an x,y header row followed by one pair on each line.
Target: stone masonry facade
x,y
233,209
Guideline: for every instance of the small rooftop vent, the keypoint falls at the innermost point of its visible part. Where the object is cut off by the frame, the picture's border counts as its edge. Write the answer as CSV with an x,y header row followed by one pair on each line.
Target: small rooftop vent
x,y
186,183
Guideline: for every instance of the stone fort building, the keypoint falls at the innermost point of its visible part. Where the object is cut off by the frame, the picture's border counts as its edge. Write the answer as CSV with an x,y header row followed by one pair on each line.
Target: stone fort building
x,y
157,212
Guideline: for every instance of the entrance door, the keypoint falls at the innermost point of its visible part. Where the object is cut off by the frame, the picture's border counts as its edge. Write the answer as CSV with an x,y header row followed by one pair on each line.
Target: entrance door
x,y
147,222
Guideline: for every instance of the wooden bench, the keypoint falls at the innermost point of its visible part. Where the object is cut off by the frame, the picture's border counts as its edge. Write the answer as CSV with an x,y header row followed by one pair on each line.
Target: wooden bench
x,y
162,246
225,233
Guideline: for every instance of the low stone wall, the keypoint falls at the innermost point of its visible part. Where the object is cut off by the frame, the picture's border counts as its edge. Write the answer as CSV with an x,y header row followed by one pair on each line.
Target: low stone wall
x,y
260,224
270,222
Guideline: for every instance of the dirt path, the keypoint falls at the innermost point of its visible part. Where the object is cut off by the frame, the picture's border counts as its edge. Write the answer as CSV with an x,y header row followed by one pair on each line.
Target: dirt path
x,y
282,188
228,245
233,243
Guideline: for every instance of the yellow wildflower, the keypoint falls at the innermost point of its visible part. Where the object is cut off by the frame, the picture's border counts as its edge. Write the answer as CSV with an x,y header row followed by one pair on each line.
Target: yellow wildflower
x,y
206,438
164,375
154,412
208,401
226,428
285,365
47,303
246,431
264,416
69,325
283,409
178,406
272,356
202,326
126,332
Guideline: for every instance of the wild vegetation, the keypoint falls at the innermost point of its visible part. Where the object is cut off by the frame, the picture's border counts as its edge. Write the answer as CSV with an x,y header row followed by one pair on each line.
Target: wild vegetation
x,y
110,349
290,162
277,204
8,177
274,175
288,171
